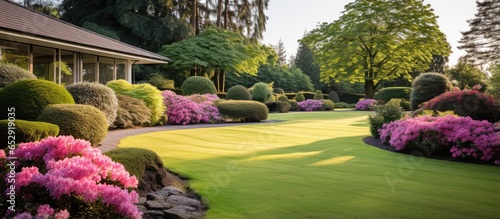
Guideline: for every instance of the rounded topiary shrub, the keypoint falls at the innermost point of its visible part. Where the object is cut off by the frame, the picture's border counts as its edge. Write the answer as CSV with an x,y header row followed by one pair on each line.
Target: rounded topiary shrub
x,y
238,92
283,98
243,110
299,97
131,113
318,95
10,73
29,97
260,92
198,85
148,93
79,120
96,95
427,86
26,131
328,105
333,96
388,93
477,105
294,106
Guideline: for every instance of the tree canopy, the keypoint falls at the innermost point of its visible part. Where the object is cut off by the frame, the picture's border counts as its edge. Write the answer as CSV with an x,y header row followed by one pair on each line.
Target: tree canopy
x,y
481,41
378,40
305,61
466,75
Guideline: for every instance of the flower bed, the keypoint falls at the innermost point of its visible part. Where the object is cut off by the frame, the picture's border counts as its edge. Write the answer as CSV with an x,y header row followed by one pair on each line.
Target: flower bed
x,y
366,104
192,109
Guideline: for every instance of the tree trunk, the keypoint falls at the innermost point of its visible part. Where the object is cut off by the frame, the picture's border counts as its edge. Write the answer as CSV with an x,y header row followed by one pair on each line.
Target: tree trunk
x,y
194,15
226,14
219,13
369,89
222,80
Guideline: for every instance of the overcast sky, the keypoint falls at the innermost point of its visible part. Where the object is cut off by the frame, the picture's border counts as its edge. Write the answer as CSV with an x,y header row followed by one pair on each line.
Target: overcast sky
x,y
288,19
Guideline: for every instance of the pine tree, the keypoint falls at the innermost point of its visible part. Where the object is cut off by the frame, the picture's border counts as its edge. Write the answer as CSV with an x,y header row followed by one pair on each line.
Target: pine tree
x,y
305,61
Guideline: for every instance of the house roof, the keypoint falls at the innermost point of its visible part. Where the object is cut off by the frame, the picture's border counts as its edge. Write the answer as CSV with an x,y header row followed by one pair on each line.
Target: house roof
x,y
20,21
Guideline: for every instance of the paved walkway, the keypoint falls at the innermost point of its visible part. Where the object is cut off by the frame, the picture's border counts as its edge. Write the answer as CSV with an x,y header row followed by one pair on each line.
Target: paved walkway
x,y
114,137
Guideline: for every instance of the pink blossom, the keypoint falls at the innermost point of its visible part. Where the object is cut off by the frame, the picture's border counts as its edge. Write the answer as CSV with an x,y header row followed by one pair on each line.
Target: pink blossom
x,y
25,215
366,104
310,105
45,211
64,214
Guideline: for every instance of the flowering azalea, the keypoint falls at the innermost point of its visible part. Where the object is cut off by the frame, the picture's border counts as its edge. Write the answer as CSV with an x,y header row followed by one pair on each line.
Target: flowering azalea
x,y
365,104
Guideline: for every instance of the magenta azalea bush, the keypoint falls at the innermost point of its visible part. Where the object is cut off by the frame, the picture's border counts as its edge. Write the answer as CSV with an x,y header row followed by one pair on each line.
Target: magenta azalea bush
x,y
62,177
366,104
191,109
462,136
310,105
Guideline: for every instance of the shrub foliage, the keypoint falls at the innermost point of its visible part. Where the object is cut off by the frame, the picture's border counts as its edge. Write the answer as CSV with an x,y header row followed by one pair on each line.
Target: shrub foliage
x,y
198,85
131,113
299,97
389,112
318,95
427,86
10,73
238,92
388,93
243,110
328,105
26,131
260,92
333,96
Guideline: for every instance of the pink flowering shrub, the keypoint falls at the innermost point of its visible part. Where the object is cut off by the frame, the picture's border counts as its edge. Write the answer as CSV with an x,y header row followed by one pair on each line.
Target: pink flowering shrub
x,y
67,176
310,105
366,104
462,136
191,109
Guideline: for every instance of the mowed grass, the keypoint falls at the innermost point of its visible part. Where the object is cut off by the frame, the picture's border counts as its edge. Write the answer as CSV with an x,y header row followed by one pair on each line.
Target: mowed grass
x,y
315,165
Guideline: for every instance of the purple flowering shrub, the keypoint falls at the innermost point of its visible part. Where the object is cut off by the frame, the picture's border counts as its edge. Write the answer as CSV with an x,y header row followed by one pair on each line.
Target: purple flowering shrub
x,y
310,105
67,176
366,104
462,136
192,109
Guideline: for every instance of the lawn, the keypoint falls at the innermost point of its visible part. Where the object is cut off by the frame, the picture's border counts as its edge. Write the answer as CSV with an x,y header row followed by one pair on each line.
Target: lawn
x,y
315,165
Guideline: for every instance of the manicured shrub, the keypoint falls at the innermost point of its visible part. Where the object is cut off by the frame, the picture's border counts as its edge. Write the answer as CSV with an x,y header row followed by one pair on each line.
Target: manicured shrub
x,y
299,97
328,105
10,73
260,92
278,91
388,93
308,95
460,136
26,131
389,112
160,82
310,105
238,92
405,104
96,95
342,105
366,104
349,97
131,113
333,96
198,85
477,105
68,177
29,97
318,95
294,106
243,110
283,98
81,121
278,106
149,94
427,86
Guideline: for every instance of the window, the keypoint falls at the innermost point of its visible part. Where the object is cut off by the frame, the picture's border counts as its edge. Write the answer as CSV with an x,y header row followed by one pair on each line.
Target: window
x,y
67,67
121,71
89,71
15,53
43,63
106,69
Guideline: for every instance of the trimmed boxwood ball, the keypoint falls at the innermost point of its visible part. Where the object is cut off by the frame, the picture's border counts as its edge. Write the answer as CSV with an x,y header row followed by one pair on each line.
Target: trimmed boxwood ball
x,y
29,97
328,105
427,86
260,92
198,85
10,73
283,98
388,93
96,95
132,112
318,95
238,92
299,97
26,131
79,120
243,110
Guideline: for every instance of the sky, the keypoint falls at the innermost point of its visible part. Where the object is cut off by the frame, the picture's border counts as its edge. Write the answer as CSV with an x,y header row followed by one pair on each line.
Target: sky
x,y
289,19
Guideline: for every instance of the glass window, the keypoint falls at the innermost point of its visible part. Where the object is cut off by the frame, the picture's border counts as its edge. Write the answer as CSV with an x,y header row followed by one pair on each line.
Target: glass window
x,y
16,53
67,67
43,63
89,68
121,71
105,69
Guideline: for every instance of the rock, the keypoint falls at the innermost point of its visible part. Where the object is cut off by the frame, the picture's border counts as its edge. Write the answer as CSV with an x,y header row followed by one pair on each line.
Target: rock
x,y
173,190
181,200
142,200
183,212
155,197
153,214
157,205
141,208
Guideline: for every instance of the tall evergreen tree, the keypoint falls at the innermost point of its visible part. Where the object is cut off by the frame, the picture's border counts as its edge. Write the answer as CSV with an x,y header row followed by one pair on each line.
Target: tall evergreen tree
x,y
280,50
305,61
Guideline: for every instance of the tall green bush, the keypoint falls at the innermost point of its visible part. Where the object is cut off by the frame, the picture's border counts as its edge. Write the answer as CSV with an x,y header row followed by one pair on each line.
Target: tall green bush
x,y
29,97
198,85
389,112
79,120
131,113
148,93
386,94
328,105
243,110
260,92
238,92
299,97
427,86
318,95
333,96
160,82
10,73
96,95
26,131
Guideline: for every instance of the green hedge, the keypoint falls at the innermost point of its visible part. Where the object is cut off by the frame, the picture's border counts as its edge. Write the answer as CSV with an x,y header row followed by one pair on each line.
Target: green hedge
x,y
388,93
135,160
333,96
328,105
260,92
96,95
294,106
427,86
10,73
299,97
349,97
131,113
26,131
198,85
318,95
278,106
81,121
243,110
238,92
29,97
